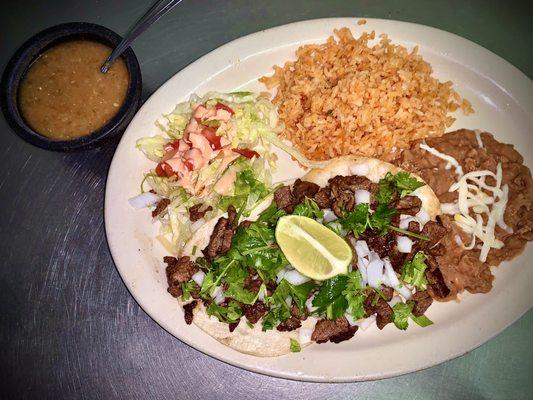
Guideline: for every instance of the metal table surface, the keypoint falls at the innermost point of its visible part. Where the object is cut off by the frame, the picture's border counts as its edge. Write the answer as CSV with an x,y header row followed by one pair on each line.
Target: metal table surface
x,y
69,327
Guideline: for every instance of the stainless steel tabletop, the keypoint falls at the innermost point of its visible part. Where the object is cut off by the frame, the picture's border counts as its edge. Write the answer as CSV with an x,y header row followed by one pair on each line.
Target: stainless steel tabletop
x,y
69,327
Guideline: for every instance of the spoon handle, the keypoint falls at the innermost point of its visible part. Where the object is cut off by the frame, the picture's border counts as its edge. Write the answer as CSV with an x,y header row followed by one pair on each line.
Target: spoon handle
x,y
159,9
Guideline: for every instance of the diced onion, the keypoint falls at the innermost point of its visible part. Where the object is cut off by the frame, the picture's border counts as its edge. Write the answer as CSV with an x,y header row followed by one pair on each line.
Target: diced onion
x,y
309,304
405,245
218,295
199,277
350,319
405,219
144,200
423,217
375,271
366,323
281,274
304,335
361,248
391,274
295,278
395,300
404,291
329,215
362,196
288,300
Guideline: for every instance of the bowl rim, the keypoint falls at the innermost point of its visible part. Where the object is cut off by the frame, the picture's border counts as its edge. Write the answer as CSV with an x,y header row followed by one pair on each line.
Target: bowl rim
x,y
26,54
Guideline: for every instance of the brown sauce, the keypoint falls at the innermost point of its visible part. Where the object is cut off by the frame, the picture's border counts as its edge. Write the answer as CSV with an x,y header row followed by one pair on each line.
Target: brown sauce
x,y
64,95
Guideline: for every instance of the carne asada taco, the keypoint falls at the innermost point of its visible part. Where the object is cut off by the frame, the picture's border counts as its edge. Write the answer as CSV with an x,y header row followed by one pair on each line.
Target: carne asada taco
x,y
347,245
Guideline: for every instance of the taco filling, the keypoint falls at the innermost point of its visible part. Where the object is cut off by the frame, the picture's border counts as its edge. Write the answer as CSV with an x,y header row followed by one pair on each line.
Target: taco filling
x,y
242,278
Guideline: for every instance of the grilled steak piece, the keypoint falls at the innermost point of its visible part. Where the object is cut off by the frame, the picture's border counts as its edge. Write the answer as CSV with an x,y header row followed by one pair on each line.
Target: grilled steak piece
x,y
252,283
187,309
220,240
198,211
302,189
284,199
409,205
421,301
436,286
381,244
323,198
254,312
161,206
335,331
233,325
388,292
382,310
435,231
294,321
178,271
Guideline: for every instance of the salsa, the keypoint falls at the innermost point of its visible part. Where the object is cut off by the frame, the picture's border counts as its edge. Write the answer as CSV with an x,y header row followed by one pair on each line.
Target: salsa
x,y
64,95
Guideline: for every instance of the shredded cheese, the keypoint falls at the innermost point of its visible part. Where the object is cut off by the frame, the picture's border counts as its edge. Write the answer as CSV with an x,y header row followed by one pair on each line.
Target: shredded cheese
x,y
450,160
475,194
472,191
478,138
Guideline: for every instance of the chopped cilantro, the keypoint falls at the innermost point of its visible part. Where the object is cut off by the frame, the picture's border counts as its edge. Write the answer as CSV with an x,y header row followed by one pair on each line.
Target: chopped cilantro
x,y
357,220
402,311
381,218
354,295
309,208
330,298
406,183
187,288
423,321
413,272
336,227
231,313
402,183
295,346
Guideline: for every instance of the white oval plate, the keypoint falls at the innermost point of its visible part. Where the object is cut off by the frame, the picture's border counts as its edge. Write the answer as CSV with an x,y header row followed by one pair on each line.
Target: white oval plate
x,y
503,99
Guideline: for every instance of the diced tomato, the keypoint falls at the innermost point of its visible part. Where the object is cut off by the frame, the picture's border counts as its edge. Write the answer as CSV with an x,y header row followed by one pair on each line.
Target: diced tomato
x,y
163,169
175,144
188,164
222,106
246,153
212,137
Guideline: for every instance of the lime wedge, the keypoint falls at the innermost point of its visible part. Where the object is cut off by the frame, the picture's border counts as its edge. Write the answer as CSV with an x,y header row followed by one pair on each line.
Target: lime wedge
x,y
311,248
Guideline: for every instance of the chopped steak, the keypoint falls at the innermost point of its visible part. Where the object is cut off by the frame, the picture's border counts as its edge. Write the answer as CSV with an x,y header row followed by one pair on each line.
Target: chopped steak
x,y
461,269
233,325
289,324
381,244
335,331
342,189
198,211
436,286
421,301
382,310
409,205
220,240
284,199
435,231
294,321
254,312
323,198
413,226
252,283
188,311
388,292
179,271
302,189
161,206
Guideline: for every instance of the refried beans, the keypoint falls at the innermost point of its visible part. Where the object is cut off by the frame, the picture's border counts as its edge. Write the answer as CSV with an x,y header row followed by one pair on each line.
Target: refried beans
x,y
462,268
64,95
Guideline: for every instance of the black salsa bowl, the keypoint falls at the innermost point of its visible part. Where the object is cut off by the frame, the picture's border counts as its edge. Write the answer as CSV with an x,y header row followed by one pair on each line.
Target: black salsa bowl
x,y
32,49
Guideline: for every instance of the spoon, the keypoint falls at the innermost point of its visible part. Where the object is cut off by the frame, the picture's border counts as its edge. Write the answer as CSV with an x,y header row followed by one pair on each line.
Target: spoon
x,y
159,9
